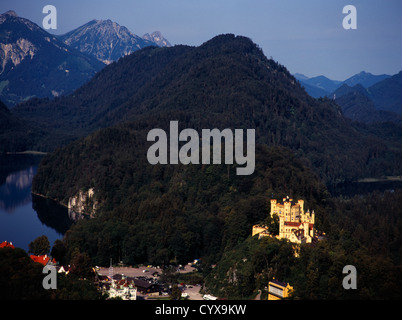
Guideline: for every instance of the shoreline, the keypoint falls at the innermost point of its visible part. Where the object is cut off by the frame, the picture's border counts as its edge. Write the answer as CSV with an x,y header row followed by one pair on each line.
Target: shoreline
x,y
384,179
33,152
42,196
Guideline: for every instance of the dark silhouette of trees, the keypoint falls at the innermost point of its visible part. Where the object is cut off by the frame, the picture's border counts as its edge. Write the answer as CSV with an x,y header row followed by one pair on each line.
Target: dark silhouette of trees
x,y
40,246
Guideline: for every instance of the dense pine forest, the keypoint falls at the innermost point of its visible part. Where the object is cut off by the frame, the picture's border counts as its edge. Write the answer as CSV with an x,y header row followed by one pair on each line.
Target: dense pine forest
x,y
363,231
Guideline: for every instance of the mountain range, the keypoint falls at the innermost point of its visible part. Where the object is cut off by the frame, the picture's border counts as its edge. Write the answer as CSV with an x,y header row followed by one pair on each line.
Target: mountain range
x,y
321,86
363,97
365,79
108,41
379,102
166,81
35,63
226,82
318,86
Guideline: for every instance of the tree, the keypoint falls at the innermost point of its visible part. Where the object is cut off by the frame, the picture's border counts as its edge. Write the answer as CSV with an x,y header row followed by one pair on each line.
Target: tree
x,y
71,288
58,251
273,225
176,293
169,275
20,277
40,246
81,266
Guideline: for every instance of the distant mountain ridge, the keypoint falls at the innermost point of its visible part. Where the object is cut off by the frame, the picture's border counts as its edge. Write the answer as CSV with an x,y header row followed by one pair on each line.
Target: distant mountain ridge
x,y
321,86
323,83
108,41
379,102
157,38
34,63
363,97
357,105
365,79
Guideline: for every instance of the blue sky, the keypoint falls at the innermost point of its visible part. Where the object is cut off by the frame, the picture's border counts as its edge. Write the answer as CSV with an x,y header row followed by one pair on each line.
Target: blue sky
x,y
304,35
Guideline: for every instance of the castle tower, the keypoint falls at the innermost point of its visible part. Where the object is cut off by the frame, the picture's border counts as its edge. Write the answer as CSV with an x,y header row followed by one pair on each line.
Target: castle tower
x,y
273,207
301,205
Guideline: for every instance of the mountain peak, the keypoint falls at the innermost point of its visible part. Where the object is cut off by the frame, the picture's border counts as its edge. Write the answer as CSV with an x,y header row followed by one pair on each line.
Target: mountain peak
x,y
230,43
300,76
157,38
108,41
6,15
26,47
366,79
10,13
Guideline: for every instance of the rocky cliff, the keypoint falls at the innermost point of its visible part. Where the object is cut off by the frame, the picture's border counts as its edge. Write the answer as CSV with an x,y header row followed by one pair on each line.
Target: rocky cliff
x,y
82,204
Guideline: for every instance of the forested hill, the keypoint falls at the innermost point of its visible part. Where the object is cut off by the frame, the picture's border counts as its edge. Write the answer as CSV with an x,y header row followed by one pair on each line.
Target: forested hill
x,y
153,214
17,133
227,82
90,107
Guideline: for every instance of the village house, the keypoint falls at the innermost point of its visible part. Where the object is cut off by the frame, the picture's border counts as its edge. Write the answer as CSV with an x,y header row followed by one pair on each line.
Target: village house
x,y
146,286
64,269
44,259
6,244
117,286
278,290
124,288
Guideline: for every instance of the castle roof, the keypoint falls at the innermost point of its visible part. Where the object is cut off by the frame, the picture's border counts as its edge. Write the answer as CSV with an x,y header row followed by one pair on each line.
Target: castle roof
x,y
292,224
298,224
278,283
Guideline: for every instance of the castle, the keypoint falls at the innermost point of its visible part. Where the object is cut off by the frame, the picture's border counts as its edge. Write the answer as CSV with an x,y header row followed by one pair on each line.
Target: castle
x,y
295,224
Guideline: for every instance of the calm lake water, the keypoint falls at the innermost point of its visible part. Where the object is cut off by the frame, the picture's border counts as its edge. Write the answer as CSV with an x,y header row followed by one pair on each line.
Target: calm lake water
x,y
23,216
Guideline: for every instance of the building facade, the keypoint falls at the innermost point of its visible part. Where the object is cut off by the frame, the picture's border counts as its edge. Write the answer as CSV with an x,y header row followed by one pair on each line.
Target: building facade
x,y
278,290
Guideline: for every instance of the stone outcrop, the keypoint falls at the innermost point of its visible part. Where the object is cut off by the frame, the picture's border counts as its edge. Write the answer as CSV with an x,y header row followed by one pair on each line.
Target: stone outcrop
x,y
83,204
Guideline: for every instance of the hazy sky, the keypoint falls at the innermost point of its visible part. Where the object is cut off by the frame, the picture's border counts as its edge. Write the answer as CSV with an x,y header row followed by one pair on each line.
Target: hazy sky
x,y
304,35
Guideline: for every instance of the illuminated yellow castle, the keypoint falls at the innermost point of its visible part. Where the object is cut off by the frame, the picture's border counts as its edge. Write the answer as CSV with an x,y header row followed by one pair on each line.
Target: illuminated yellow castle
x,y
295,224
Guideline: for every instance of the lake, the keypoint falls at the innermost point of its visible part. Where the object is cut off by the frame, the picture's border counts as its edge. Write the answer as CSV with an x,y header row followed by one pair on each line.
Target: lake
x,y
23,216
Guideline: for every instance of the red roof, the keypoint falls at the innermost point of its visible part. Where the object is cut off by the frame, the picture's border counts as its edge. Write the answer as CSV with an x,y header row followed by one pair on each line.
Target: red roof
x,y
297,224
41,259
292,224
6,244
